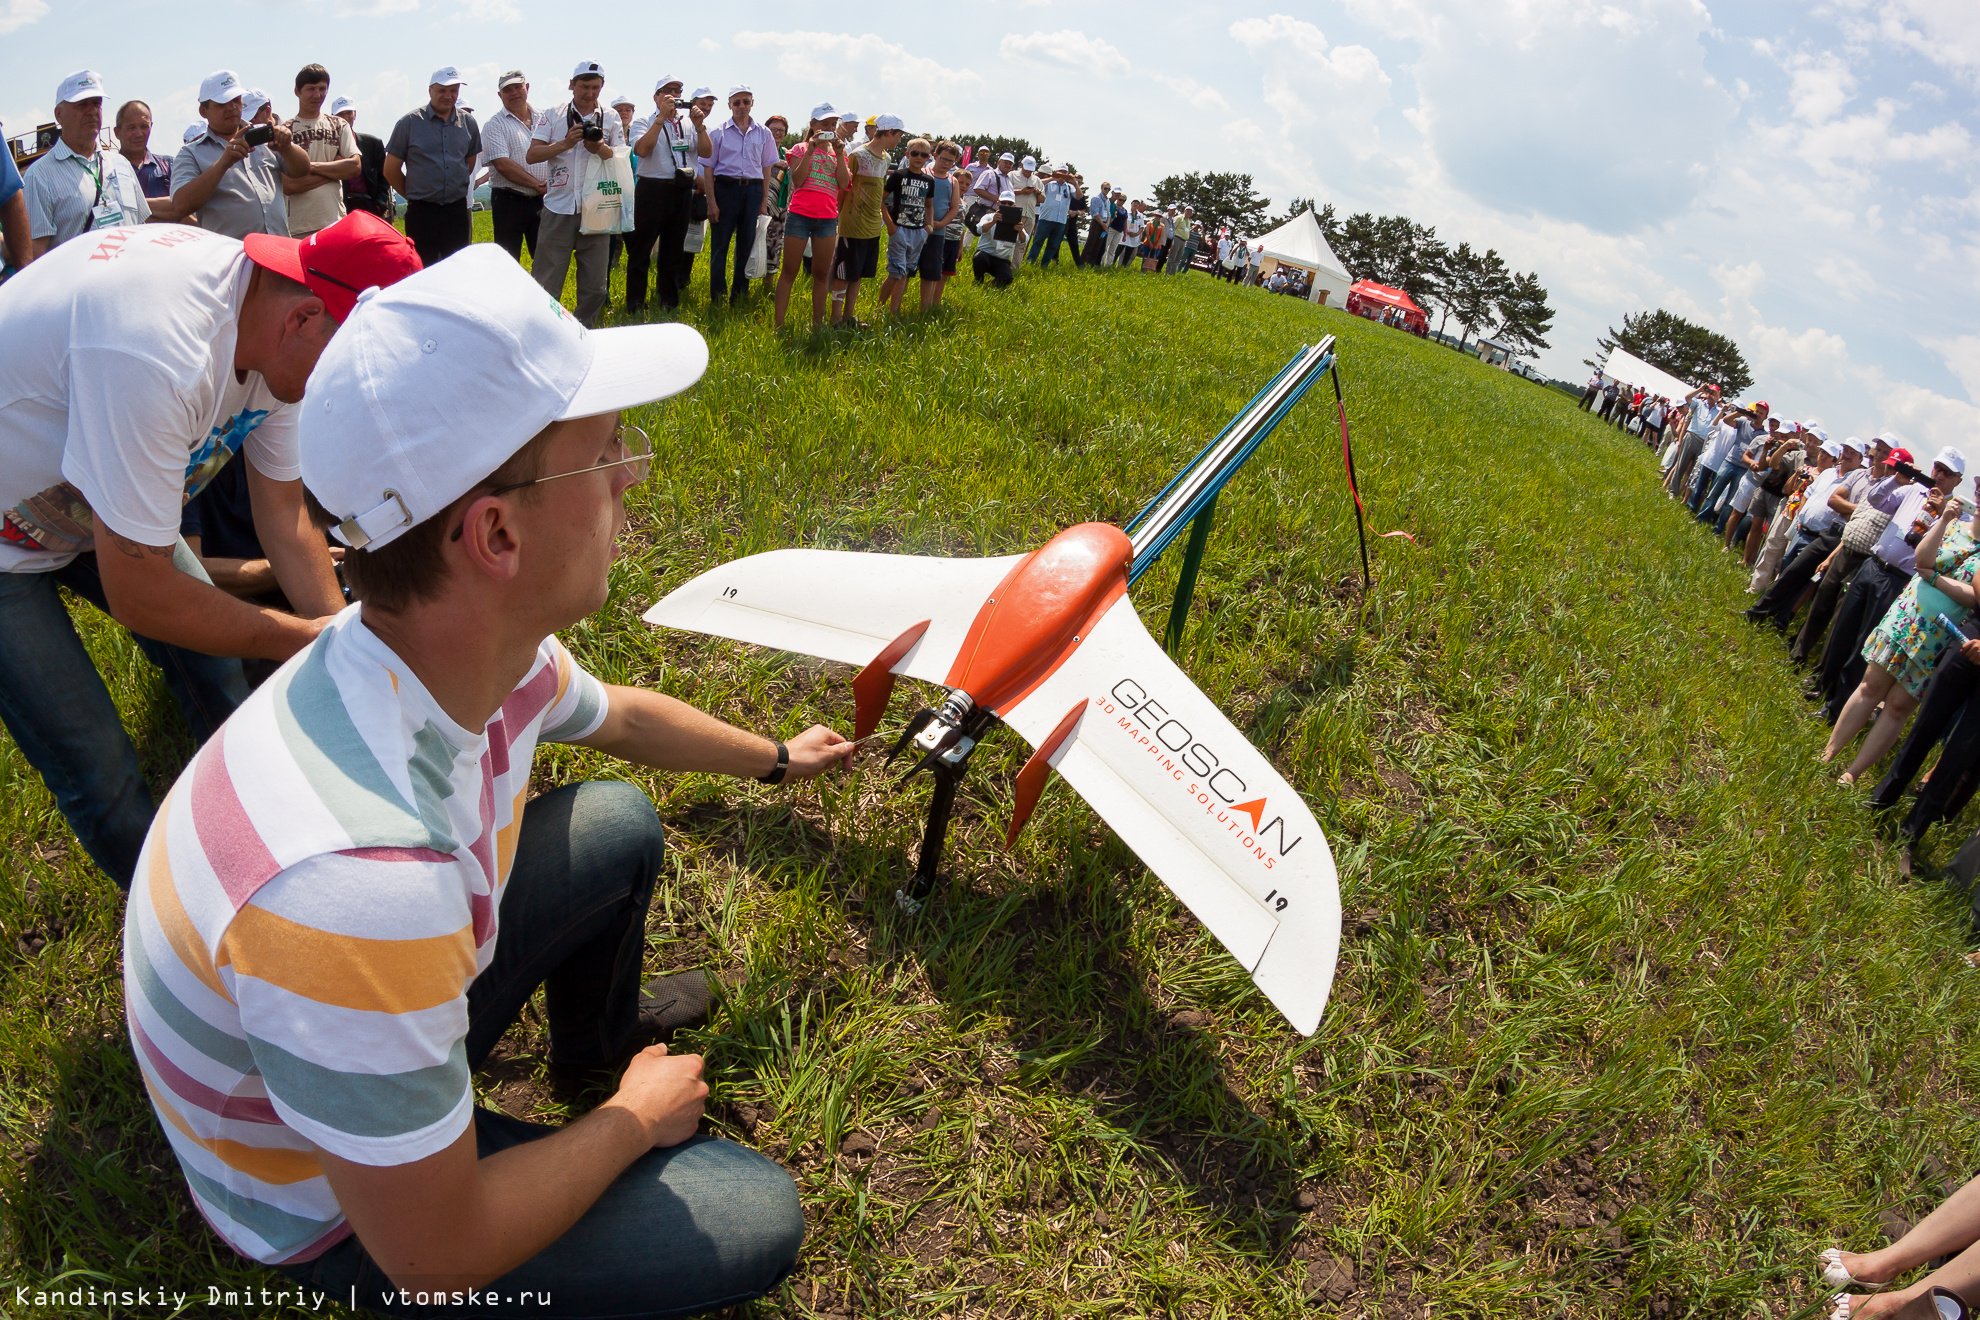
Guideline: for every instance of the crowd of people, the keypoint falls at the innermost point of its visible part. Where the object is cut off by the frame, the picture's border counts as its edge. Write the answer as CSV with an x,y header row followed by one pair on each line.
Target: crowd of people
x,y
844,200
349,894
1862,558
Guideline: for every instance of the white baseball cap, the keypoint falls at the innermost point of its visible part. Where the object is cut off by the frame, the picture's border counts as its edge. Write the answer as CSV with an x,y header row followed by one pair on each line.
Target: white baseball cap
x,y
252,102
1007,156
433,383
741,89
446,76
824,110
82,85
1815,431
1029,162
700,92
1951,458
889,124
1856,443
664,83
623,99
220,87
587,69
341,104
194,132
1832,449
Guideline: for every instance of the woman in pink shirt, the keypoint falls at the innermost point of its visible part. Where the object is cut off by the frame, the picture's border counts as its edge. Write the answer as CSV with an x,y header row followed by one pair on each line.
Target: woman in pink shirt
x,y
819,173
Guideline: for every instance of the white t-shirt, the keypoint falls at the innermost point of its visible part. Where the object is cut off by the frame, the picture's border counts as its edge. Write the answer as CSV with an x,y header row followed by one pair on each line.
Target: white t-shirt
x,y
1720,447
118,395
565,173
1027,201
69,194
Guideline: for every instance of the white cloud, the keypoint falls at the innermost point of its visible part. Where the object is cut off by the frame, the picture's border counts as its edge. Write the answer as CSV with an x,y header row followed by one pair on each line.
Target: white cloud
x,y
1962,355
1942,31
492,11
891,76
1309,84
1065,49
1569,109
1844,276
17,14
1819,85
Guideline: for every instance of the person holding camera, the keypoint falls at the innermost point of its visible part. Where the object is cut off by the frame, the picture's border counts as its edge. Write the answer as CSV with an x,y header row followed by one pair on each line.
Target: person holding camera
x,y
1911,636
563,134
669,153
231,174
999,236
430,159
819,173
1884,574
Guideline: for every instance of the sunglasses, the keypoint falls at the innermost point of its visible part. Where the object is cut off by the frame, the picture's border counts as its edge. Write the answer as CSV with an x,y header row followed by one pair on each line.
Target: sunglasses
x,y
917,155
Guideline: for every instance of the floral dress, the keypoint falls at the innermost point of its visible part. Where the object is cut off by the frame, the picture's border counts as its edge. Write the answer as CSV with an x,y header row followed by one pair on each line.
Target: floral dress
x,y
1910,640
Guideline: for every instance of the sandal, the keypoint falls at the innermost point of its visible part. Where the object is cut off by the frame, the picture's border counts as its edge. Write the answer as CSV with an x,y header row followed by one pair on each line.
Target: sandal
x,y
1837,1275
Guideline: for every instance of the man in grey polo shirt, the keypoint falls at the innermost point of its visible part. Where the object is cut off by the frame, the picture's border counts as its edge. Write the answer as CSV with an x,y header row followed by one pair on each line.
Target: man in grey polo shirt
x,y
236,189
78,186
430,159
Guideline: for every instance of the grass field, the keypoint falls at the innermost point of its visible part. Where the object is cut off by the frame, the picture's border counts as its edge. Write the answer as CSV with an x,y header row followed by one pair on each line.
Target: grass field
x,y
1632,1013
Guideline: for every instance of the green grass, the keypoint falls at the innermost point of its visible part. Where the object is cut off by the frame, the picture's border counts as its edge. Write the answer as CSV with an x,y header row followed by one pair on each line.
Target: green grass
x,y
1632,1013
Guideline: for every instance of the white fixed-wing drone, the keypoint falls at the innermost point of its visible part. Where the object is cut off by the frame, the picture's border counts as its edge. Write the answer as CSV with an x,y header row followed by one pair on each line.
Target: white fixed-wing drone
x,y
1049,644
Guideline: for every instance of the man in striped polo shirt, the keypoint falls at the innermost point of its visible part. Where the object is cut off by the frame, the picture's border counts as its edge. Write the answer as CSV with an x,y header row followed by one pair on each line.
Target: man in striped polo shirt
x,y
348,896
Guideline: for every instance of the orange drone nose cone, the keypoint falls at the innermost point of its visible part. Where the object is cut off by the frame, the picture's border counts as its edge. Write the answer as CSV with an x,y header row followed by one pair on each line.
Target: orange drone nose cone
x,y
1040,612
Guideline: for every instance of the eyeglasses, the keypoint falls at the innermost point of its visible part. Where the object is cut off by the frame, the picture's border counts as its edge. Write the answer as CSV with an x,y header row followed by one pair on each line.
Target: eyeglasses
x,y
917,155
630,441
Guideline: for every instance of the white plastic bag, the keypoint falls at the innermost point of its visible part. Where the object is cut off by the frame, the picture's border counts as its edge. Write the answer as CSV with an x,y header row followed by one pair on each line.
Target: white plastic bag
x,y
607,205
758,264
695,234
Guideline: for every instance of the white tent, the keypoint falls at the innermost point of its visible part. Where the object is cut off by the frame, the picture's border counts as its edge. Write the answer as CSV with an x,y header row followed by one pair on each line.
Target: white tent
x,y
1628,369
1300,242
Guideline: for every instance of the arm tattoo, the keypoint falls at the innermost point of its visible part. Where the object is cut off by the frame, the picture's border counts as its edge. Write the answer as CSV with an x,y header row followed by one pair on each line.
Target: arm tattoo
x,y
132,550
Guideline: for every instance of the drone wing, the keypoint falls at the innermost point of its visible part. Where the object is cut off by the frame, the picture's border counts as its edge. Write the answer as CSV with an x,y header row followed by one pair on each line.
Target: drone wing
x,y
1210,816
845,605
1117,719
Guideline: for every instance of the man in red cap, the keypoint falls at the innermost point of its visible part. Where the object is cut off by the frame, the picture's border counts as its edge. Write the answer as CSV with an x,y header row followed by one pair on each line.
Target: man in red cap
x,y
139,361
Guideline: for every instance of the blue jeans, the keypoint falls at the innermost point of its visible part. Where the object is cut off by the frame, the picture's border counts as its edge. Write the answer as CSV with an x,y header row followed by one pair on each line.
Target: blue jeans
x,y
740,201
61,715
694,1227
1723,485
1050,234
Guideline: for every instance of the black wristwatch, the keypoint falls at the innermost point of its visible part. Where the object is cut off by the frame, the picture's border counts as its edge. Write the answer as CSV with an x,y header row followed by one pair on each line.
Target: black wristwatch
x,y
776,776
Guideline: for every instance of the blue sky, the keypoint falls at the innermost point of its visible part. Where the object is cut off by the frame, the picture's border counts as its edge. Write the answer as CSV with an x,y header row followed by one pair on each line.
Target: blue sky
x,y
1804,178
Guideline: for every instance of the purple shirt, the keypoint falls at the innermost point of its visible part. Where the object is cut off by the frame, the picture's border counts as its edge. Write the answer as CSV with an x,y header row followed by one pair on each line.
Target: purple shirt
x,y
154,175
740,153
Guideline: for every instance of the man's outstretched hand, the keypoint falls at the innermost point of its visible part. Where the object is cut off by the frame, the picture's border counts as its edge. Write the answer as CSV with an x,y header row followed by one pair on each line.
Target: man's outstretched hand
x,y
817,750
